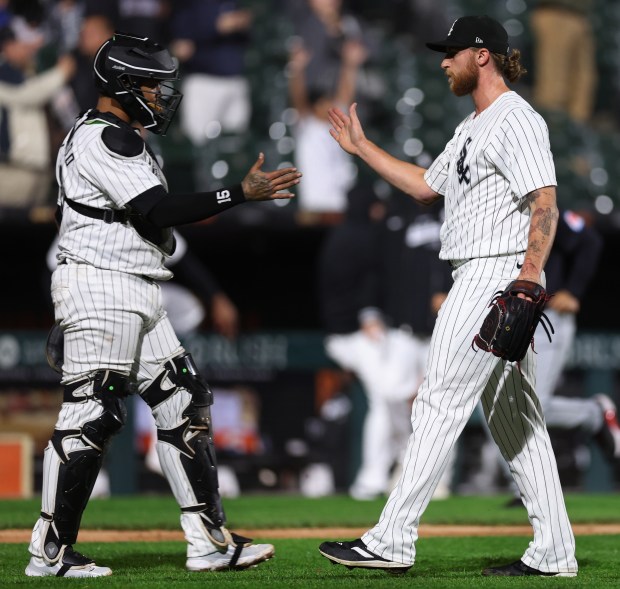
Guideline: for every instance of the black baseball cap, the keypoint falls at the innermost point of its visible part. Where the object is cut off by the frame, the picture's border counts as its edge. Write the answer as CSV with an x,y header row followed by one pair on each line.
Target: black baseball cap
x,y
474,31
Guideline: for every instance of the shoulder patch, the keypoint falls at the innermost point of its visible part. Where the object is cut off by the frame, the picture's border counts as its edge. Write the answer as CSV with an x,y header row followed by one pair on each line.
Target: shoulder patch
x,y
122,141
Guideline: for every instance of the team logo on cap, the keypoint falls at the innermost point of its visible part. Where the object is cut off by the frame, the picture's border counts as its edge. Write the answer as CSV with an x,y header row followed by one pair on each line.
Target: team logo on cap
x,y
479,40
452,27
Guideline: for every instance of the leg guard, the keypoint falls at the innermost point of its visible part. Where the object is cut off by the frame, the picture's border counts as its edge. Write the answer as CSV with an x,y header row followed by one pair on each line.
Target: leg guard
x,y
89,417
186,450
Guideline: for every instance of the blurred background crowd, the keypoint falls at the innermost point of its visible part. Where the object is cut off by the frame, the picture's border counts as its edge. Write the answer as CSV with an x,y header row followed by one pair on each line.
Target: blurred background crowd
x,y
259,288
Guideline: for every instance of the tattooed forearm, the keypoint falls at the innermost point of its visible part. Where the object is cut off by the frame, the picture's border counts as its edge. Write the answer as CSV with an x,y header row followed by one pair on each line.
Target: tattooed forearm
x,y
535,246
545,219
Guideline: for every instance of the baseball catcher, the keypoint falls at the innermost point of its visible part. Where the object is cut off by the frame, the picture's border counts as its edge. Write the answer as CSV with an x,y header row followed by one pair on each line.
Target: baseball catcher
x,y
508,329
113,337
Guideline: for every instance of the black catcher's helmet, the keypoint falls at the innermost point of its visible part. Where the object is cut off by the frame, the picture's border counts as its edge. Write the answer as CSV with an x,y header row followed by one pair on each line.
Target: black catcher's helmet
x,y
124,63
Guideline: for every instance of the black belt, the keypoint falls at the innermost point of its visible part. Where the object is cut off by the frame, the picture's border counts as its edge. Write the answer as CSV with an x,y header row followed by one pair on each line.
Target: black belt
x,y
105,215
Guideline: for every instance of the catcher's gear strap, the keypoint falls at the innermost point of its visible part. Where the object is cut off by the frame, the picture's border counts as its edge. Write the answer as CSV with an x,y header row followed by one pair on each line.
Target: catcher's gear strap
x,y
105,215
160,236
104,382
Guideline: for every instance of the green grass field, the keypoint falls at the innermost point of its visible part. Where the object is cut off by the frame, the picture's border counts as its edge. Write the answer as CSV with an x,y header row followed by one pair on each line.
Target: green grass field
x,y
441,562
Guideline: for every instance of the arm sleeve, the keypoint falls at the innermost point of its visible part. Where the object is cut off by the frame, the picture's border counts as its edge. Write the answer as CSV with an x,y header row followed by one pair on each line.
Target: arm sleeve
x,y
167,210
522,153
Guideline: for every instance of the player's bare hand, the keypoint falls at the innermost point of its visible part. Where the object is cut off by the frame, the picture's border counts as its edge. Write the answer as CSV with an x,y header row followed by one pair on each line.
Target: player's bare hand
x,y
67,65
564,302
437,300
224,315
347,129
183,49
259,185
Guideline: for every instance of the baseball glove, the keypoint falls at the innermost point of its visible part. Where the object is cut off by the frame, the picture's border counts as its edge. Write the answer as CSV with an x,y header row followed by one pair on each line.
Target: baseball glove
x,y
508,329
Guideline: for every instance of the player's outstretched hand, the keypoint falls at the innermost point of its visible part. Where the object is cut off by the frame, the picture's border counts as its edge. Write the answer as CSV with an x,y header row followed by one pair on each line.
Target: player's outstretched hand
x,y
347,130
259,185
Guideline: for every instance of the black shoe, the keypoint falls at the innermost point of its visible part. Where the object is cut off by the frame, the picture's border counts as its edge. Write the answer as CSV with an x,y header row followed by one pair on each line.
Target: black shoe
x,y
355,555
514,502
608,438
520,569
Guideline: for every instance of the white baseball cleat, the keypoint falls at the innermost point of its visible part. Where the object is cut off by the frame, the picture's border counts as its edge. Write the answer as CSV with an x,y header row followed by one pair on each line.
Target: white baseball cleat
x,y
235,557
72,564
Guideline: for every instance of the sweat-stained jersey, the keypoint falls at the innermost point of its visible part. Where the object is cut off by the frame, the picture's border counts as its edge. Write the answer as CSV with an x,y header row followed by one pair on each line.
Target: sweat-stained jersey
x,y
96,176
485,172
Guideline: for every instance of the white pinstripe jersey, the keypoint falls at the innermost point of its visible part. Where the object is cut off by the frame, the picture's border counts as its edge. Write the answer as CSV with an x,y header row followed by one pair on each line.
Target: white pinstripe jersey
x,y
91,174
493,161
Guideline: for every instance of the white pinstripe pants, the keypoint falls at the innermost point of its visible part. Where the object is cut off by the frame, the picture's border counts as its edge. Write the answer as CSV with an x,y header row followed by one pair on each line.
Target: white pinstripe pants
x,y
457,377
111,320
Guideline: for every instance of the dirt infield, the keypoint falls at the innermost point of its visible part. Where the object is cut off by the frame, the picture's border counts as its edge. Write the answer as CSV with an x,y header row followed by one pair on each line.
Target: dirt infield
x,y
426,531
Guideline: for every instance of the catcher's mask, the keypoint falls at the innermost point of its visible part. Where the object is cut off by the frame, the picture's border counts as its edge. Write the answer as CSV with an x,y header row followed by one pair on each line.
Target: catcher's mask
x,y
123,64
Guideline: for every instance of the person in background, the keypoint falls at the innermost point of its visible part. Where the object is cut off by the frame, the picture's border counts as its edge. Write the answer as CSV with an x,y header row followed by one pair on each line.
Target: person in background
x,y
381,284
210,39
94,31
324,26
565,68
25,150
330,172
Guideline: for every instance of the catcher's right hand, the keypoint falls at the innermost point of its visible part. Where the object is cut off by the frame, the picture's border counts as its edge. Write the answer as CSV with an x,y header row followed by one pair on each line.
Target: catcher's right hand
x,y
259,185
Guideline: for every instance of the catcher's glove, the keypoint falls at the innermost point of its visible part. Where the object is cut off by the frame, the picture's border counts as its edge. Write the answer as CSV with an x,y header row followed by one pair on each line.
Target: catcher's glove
x,y
508,330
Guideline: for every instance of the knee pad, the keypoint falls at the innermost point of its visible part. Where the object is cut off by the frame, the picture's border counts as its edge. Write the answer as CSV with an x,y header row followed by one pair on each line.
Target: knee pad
x,y
101,384
181,371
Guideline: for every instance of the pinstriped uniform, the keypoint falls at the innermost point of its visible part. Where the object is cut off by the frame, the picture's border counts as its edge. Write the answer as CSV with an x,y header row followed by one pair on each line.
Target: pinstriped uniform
x,y
485,172
93,175
109,305
104,290
491,163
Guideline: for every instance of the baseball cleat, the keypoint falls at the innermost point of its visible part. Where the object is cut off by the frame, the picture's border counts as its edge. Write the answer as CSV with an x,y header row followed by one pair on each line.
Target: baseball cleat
x,y
72,564
608,437
234,558
520,569
355,555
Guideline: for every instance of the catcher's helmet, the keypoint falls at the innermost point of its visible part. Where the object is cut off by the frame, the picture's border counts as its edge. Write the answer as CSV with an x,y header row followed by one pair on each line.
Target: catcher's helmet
x,y
124,63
